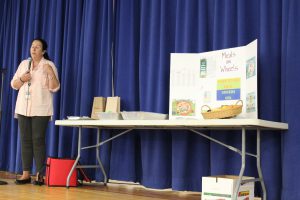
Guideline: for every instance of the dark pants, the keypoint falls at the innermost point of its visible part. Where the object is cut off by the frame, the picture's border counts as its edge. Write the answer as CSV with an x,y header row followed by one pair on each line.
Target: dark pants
x,y
33,132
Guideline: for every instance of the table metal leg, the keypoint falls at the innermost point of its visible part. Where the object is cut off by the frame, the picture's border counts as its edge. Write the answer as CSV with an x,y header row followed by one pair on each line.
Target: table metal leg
x,y
98,157
97,146
258,165
236,191
78,156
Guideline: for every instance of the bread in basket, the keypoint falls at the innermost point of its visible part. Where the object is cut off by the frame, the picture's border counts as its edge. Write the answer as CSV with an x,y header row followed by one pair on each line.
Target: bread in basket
x,y
225,111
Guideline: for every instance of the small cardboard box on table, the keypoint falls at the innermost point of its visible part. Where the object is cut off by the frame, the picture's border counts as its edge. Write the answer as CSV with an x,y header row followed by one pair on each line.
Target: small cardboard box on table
x,y
113,104
98,107
222,188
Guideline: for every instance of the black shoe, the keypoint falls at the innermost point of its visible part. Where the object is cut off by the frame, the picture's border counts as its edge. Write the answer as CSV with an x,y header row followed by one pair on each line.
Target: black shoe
x,y
23,181
40,181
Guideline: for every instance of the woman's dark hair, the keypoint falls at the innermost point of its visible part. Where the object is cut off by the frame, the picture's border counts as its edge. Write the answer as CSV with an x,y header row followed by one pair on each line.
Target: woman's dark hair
x,y
44,46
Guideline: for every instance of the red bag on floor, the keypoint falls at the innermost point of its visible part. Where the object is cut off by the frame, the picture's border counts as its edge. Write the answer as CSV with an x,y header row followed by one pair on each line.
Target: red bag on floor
x,y
57,172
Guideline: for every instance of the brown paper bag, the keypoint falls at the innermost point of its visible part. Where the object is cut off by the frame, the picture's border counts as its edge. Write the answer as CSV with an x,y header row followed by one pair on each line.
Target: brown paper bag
x,y
113,104
98,106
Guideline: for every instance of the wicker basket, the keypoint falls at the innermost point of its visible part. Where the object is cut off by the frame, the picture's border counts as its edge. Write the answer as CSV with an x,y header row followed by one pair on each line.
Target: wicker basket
x,y
225,111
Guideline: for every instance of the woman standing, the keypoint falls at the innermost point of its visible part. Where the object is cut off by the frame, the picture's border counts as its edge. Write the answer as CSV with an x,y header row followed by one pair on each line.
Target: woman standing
x,y
36,79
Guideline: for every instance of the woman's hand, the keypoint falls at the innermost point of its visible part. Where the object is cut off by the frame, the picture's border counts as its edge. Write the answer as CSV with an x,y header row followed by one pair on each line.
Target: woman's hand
x,y
26,76
48,69
53,82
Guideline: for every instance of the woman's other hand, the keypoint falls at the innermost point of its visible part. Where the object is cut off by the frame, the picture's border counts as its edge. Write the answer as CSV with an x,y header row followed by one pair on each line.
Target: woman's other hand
x,y
48,69
53,82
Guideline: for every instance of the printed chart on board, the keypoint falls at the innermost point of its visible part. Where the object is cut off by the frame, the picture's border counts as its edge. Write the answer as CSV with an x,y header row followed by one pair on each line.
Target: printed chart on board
x,y
213,78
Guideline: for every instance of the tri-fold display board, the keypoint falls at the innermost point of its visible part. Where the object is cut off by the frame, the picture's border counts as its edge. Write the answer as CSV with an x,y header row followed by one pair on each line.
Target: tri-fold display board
x,y
213,78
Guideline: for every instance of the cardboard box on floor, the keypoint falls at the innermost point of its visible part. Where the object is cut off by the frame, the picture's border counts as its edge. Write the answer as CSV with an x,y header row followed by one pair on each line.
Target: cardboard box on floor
x,y
222,188
98,106
113,104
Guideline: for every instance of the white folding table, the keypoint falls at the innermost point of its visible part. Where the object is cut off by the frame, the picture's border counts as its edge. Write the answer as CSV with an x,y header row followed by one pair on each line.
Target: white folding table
x,y
191,125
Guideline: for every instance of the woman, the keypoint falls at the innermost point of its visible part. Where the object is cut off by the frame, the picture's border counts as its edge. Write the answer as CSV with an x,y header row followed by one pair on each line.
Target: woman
x,y
36,79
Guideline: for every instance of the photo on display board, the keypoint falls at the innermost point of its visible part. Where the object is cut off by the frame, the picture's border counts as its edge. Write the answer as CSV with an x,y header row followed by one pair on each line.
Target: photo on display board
x,y
183,107
250,68
250,104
